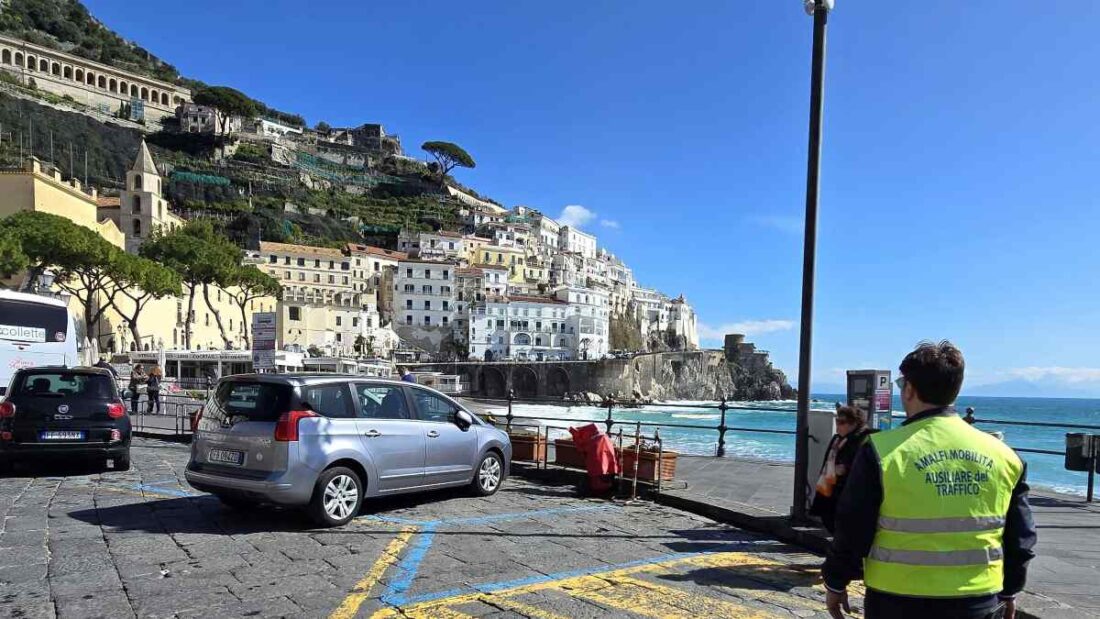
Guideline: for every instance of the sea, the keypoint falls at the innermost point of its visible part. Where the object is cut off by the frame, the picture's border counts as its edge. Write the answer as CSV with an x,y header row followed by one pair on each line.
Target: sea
x,y
1046,471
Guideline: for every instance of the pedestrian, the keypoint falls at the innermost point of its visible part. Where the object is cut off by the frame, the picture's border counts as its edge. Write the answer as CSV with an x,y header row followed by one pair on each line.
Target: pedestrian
x,y
851,429
152,388
935,512
407,376
137,379
102,363
969,415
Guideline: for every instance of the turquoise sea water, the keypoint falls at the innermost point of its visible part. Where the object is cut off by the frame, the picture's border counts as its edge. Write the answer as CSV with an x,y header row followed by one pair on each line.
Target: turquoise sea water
x,y
1044,470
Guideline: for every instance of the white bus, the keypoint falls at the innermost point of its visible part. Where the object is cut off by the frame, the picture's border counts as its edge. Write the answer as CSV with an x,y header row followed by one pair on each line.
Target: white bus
x,y
34,331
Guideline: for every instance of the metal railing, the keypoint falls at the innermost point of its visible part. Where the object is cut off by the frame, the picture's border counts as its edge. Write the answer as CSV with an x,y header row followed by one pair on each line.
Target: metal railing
x,y
722,428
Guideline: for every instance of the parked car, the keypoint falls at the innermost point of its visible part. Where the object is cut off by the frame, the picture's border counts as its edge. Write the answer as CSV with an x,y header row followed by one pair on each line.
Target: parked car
x,y
323,442
59,411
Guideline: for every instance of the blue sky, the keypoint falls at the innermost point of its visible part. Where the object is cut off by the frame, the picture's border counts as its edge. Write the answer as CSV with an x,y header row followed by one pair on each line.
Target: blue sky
x,y
959,195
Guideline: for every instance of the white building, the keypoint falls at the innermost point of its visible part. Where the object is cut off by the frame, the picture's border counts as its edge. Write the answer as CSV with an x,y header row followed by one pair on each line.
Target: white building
x,y
274,129
522,328
194,118
425,302
588,318
576,241
441,245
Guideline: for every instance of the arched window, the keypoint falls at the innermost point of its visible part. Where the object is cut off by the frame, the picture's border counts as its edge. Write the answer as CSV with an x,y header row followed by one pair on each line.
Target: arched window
x,y
123,88
145,93
80,75
137,203
31,63
137,182
159,190
177,101
133,90
44,65
5,56
153,96
137,227
523,339
89,78
112,85
102,82
18,59
67,73
164,98
55,68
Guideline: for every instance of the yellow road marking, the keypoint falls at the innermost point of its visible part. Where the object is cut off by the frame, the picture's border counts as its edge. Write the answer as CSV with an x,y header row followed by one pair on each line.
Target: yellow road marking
x,y
508,603
350,606
660,602
618,589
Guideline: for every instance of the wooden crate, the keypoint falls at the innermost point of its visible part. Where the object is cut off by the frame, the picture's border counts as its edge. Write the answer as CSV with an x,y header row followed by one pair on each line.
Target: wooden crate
x,y
647,465
528,447
567,454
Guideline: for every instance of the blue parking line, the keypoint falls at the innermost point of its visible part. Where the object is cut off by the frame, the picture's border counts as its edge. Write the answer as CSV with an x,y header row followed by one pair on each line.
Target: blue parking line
x,y
410,564
168,491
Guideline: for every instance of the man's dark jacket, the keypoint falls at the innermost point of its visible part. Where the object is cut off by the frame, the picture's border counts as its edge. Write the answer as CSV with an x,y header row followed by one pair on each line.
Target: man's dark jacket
x,y
857,520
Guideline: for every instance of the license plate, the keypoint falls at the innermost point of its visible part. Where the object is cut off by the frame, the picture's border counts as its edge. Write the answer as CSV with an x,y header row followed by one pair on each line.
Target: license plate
x,y
226,456
70,435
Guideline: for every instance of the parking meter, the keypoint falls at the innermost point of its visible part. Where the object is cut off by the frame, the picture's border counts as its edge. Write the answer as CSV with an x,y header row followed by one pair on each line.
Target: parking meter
x,y
872,391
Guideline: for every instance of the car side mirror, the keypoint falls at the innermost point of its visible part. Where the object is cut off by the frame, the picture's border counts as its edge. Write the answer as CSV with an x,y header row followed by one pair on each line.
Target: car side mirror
x,y
463,420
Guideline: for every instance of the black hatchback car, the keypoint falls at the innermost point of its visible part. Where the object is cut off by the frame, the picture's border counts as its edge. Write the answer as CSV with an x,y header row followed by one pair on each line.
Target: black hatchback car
x,y
58,412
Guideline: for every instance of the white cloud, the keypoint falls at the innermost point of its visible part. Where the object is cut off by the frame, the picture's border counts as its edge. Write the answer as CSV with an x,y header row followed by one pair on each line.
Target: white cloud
x,y
749,328
575,215
789,224
610,223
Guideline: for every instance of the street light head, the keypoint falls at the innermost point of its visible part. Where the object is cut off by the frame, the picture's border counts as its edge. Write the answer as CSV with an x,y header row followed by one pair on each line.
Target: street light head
x,y
811,5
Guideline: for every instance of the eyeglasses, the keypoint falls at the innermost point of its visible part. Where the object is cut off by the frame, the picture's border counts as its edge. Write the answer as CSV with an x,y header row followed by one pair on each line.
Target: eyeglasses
x,y
900,382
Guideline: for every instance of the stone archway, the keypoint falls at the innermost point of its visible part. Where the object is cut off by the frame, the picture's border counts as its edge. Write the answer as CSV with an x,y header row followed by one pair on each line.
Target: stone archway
x,y
557,382
493,383
525,383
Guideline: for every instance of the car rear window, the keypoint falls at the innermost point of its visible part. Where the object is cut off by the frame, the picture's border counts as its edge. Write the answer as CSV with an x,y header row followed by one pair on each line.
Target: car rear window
x,y
253,401
64,385
25,321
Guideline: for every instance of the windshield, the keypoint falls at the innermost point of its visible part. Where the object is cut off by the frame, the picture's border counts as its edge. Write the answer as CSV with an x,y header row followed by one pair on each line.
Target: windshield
x,y
64,385
27,321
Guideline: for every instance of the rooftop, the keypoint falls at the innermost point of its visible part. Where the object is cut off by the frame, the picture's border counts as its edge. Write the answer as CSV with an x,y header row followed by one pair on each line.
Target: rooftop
x,y
108,202
376,251
268,246
424,261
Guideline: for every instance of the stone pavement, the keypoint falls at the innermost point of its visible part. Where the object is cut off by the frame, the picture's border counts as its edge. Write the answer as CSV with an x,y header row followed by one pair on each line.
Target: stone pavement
x,y
1063,580
79,542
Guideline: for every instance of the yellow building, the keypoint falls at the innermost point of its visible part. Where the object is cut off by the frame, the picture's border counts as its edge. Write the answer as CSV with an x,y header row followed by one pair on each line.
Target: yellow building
x,y
35,187
496,256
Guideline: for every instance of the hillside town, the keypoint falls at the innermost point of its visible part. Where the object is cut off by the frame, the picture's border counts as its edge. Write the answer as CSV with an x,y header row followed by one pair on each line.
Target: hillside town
x,y
497,285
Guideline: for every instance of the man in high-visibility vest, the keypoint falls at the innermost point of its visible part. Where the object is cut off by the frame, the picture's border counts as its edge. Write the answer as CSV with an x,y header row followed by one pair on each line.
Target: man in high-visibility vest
x,y
934,516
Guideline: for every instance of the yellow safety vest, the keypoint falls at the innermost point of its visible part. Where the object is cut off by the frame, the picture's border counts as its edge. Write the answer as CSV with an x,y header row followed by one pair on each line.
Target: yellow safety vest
x,y
946,489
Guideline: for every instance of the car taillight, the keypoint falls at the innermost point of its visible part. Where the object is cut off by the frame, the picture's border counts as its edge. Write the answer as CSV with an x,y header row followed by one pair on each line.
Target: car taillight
x,y
115,410
7,409
286,429
5,436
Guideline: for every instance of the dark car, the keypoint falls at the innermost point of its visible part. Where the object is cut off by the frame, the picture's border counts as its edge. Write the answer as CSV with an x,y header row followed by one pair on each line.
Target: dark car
x,y
57,412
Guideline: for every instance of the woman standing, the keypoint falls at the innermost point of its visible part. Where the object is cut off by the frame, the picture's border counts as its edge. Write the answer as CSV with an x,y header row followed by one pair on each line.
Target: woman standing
x,y
851,429
156,375
137,379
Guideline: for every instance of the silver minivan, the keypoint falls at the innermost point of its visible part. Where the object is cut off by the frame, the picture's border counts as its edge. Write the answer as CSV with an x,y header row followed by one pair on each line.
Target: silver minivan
x,y
324,442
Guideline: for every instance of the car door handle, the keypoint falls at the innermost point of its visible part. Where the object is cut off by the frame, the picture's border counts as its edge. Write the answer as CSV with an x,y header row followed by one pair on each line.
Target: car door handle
x,y
433,434
372,433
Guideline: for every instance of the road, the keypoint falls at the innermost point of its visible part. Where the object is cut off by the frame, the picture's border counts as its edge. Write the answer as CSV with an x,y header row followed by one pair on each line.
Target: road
x,y
77,542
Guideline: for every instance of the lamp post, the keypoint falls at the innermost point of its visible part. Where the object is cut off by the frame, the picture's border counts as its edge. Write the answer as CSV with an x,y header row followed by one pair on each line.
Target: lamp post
x,y
819,9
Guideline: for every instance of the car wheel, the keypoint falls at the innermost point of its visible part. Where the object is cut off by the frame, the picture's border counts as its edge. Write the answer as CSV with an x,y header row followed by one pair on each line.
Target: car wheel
x,y
123,463
337,496
489,475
